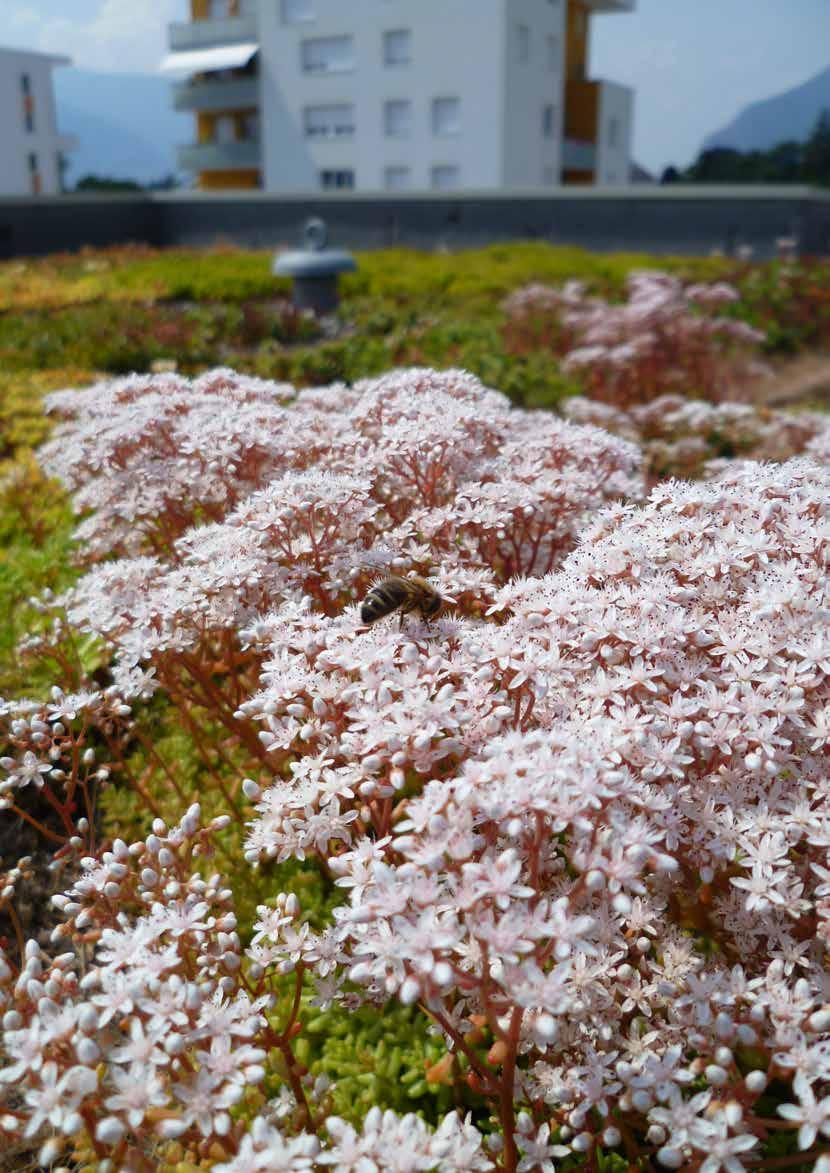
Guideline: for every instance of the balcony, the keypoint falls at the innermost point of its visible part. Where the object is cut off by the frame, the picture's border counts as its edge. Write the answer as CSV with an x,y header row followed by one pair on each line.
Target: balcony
x,y
244,155
599,6
201,34
578,156
237,93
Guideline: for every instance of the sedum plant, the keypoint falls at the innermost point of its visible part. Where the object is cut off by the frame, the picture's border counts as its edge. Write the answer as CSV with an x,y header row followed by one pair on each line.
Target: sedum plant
x,y
666,338
578,823
692,438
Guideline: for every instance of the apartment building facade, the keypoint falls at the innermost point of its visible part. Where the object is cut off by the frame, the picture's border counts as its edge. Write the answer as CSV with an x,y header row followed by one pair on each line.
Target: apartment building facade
x,y
31,146
397,95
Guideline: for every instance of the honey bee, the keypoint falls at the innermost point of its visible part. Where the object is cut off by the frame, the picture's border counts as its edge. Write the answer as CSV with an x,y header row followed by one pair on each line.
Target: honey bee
x,y
400,594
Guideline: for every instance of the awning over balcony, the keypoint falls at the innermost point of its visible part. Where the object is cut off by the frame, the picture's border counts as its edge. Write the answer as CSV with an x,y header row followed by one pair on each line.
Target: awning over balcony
x,y
206,60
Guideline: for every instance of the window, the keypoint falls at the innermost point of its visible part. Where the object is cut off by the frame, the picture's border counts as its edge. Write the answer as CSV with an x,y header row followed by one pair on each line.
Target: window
x,y
28,102
446,116
522,43
397,47
61,165
34,174
329,121
548,121
445,177
224,129
337,179
297,11
397,178
397,118
328,54
250,126
552,44
613,132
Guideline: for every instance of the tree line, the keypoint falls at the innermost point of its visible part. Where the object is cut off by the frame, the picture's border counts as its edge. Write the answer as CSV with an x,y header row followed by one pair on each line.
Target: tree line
x,y
788,162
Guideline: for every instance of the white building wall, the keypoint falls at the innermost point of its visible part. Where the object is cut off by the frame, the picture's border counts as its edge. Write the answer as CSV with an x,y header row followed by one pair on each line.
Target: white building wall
x,y
614,135
457,52
17,143
534,71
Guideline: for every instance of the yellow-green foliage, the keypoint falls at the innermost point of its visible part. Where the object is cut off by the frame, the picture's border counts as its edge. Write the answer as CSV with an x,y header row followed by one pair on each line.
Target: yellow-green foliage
x,y
36,519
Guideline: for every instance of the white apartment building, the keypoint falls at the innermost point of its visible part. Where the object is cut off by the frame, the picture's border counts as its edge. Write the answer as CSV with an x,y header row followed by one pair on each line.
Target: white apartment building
x,y
31,146
398,95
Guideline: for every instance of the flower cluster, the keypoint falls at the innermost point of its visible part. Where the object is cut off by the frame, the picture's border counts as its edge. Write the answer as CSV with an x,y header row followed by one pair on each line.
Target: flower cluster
x,y
554,808
666,338
147,456
418,471
580,821
691,438
151,1046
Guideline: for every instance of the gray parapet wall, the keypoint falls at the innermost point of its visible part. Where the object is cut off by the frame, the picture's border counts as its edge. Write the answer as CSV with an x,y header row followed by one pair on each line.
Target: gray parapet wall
x,y
691,220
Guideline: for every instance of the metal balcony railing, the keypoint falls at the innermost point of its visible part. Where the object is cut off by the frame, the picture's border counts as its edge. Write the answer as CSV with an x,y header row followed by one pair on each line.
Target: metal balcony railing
x,y
578,156
235,156
217,94
201,34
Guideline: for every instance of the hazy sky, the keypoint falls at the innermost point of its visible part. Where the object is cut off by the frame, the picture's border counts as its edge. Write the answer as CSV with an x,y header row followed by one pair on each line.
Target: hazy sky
x,y
693,63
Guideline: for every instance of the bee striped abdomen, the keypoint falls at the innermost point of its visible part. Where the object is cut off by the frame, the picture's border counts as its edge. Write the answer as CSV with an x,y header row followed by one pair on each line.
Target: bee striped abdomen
x,y
383,599
400,594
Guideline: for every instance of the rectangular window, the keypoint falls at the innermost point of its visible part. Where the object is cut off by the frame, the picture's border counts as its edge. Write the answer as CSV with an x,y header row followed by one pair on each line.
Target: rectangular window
x,y
522,43
446,116
397,118
224,129
34,175
397,47
613,132
297,11
552,45
337,180
250,126
397,178
445,177
328,54
548,121
25,84
336,121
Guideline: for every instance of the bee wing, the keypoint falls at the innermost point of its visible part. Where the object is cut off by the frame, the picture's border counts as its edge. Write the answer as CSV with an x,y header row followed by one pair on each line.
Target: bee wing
x,y
406,584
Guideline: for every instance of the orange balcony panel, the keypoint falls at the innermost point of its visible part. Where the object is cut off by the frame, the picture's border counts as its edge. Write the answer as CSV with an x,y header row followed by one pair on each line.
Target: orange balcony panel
x,y
225,180
577,40
582,110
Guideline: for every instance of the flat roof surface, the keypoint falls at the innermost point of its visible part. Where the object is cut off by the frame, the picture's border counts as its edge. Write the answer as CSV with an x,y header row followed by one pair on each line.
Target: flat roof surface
x,y
55,58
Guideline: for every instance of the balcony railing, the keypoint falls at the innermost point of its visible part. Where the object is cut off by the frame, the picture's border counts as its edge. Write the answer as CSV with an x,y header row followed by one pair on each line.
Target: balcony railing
x,y
578,156
237,156
611,5
201,34
240,93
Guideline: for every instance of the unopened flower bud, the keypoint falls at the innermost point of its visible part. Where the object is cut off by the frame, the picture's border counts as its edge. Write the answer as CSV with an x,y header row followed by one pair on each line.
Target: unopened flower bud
x,y
109,1131
671,1157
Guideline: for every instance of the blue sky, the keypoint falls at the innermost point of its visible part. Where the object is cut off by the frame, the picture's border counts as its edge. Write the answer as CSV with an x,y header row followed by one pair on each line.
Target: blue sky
x,y
693,63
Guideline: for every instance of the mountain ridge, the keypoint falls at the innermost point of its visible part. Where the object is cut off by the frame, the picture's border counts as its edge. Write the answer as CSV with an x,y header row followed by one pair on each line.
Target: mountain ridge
x,y
124,122
789,115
